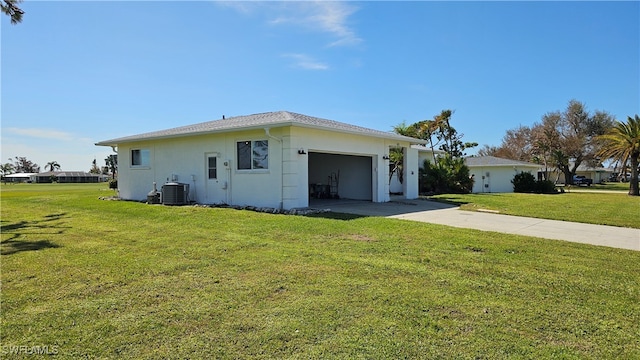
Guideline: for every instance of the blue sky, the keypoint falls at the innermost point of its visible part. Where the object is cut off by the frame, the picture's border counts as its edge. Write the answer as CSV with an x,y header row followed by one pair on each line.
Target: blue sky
x,y
75,73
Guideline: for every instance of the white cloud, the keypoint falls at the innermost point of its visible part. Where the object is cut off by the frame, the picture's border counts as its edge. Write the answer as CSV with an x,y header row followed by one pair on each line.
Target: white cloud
x,y
322,16
329,17
332,17
244,7
41,133
306,62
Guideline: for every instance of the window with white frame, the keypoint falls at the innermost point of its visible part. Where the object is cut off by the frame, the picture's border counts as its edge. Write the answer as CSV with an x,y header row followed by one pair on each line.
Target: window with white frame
x,y
140,157
253,155
212,167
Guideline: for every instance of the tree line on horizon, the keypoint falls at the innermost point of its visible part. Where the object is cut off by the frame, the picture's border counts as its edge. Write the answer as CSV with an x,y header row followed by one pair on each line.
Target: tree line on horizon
x,y
21,164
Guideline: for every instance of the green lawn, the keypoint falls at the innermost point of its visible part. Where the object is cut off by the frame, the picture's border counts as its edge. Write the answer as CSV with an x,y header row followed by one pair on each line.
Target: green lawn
x,y
115,279
613,186
579,205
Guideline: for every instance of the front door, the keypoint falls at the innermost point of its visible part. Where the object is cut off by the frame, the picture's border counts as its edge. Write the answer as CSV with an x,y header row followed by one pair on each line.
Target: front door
x,y
216,179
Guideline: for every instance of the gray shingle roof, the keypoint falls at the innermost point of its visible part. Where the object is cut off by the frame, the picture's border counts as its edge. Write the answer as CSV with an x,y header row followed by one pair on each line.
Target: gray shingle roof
x,y
259,121
495,161
66,174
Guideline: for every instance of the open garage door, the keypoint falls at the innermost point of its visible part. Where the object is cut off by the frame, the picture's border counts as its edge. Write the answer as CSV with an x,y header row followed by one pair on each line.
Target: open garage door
x,y
340,176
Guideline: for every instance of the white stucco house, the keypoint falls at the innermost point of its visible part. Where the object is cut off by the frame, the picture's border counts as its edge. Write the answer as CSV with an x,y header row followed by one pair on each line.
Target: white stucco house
x,y
493,175
18,177
596,174
276,159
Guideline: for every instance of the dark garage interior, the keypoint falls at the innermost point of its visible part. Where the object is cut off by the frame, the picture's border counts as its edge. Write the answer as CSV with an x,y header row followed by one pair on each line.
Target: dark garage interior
x,y
333,176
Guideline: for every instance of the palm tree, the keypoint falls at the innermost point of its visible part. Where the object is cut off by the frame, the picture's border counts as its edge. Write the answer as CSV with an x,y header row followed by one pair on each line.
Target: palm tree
x,y
561,162
10,8
396,160
52,166
622,142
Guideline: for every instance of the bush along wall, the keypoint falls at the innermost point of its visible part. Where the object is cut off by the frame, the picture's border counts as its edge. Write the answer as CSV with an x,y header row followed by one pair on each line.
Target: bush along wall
x,y
524,182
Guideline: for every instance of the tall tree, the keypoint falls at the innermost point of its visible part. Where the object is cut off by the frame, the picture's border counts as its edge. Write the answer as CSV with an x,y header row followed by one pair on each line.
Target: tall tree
x,y
10,8
449,137
516,145
447,173
52,166
562,140
23,165
544,143
7,169
575,131
112,164
94,167
396,163
622,143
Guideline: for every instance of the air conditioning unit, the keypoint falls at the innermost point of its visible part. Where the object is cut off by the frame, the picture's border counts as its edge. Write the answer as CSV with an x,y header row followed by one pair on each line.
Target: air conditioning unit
x,y
175,194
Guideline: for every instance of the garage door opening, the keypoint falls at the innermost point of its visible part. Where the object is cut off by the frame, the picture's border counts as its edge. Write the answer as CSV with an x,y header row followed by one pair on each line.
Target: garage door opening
x,y
338,176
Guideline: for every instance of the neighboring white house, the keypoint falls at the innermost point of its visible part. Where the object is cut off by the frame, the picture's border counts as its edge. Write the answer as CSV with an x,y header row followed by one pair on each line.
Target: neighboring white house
x,y
18,177
493,175
276,159
68,177
597,174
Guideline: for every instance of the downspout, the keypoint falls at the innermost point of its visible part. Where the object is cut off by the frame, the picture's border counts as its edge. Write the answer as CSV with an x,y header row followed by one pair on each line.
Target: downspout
x,y
268,133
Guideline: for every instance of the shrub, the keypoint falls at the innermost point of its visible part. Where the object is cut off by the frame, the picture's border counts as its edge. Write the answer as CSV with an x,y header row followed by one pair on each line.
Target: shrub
x,y
524,182
113,184
545,187
448,175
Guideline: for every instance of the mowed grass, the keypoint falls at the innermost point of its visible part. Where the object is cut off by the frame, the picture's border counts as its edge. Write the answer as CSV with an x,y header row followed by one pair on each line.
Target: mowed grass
x,y
613,186
578,205
115,279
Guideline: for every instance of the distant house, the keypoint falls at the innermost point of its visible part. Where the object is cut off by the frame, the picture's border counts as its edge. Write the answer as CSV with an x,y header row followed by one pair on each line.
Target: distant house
x,y
493,175
18,177
67,177
597,174
276,159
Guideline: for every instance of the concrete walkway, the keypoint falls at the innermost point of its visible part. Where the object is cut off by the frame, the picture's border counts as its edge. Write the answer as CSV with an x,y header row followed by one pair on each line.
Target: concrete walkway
x,y
439,213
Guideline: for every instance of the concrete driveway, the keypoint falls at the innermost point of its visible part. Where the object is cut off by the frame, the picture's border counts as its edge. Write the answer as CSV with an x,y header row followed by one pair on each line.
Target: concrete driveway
x,y
444,214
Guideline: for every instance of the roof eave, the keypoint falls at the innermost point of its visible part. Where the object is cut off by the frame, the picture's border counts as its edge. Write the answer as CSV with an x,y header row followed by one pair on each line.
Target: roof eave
x,y
382,135
390,136
125,140
506,165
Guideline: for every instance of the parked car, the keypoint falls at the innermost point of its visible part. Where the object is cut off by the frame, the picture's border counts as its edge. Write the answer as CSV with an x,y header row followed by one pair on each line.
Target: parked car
x,y
581,180
626,177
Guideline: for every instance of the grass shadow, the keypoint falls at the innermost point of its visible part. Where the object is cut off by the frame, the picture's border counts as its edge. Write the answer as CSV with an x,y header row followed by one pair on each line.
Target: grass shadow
x,y
336,216
16,234
14,246
449,201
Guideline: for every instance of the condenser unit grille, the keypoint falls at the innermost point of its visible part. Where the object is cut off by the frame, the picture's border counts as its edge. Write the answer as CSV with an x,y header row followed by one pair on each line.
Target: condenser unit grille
x,y
175,193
